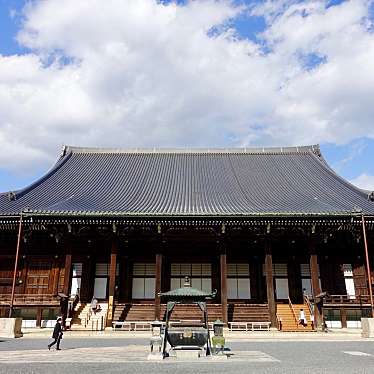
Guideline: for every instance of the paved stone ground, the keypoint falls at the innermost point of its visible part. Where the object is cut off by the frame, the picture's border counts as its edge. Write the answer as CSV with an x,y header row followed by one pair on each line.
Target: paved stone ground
x,y
116,355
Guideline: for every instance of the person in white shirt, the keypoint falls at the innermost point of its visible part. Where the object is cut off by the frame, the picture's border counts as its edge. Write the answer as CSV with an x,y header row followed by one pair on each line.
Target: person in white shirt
x,y
302,319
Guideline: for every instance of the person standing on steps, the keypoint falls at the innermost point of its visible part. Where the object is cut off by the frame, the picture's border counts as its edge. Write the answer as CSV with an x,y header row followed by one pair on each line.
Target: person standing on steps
x,y
57,335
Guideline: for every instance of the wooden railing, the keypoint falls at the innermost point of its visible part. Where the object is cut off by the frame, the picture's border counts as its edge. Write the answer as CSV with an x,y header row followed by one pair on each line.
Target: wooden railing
x,y
347,299
293,310
23,299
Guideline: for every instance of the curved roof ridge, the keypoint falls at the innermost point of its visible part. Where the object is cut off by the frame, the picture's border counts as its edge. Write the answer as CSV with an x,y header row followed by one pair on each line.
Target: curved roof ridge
x,y
245,150
329,169
22,191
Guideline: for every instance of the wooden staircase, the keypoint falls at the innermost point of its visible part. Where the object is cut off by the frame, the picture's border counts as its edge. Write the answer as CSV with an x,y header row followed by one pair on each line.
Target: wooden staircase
x,y
236,312
193,313
78,313
290,318
134,312
248,313
83,319
145,312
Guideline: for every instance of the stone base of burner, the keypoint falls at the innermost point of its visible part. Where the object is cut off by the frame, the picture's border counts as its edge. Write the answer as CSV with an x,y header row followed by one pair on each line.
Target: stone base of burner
x,y
187,354
155,357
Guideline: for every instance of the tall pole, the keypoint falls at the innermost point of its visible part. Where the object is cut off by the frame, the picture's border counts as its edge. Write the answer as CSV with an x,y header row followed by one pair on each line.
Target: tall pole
x,y
15,266
368,265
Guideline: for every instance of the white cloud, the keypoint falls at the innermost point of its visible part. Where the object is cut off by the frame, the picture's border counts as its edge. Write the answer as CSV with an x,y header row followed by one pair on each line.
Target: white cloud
x,y
364,181
140,73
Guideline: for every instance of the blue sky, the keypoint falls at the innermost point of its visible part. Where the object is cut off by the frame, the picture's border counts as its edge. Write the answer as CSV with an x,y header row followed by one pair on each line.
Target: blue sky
x,y
201,74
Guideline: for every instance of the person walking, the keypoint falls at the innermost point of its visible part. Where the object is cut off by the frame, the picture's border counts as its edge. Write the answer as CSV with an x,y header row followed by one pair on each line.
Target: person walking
x,y
302,319
57,335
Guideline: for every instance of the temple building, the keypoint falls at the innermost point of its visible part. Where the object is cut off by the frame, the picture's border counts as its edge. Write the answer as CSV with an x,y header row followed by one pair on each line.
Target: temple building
x,y
268,228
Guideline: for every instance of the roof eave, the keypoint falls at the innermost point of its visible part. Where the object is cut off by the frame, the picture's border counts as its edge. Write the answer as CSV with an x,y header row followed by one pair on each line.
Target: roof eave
x,y
117,214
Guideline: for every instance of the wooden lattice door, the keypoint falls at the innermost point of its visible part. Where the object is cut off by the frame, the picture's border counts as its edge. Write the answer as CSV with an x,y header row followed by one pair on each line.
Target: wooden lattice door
x,y
38,278
360,280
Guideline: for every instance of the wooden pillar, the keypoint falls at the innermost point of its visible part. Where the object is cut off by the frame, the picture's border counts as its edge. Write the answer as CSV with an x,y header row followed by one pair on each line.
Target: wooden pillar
x,y
67,278
39,312
125,279
314,274
67,273
223,272
56,276
254,286
24,274
343,317
294,281
368,265
316,289
112,280
270,283
158,283
15,271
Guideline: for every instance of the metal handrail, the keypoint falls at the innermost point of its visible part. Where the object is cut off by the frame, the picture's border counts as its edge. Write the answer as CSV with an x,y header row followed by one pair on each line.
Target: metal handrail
x,y
293,310
279,322
308,303
88,317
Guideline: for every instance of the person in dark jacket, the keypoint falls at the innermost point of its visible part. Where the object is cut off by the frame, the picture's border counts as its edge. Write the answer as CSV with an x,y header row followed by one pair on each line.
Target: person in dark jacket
x,y
57,334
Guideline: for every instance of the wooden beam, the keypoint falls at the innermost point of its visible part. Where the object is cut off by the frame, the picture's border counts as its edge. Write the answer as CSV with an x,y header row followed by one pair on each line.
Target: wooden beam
x,y
223,273
158,282
270,283
112,280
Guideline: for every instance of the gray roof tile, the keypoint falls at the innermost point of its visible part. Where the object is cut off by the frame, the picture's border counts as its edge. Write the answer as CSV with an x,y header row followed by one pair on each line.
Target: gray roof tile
x,y
191,182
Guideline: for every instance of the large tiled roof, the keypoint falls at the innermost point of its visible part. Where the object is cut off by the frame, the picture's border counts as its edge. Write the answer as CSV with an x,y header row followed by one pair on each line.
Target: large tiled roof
x,y
216,182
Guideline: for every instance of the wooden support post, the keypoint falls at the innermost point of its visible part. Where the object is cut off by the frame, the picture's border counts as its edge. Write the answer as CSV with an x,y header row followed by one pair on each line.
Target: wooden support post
x,y
67,280
223,268
314,274
56,276
254,285
112,280
15,266
24,275
316,289
343,317
67,273
158,282
270,283
124,281
39,312
367,265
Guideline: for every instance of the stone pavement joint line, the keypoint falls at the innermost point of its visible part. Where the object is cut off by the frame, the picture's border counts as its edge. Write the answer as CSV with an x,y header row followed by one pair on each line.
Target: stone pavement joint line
x,y
132,353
